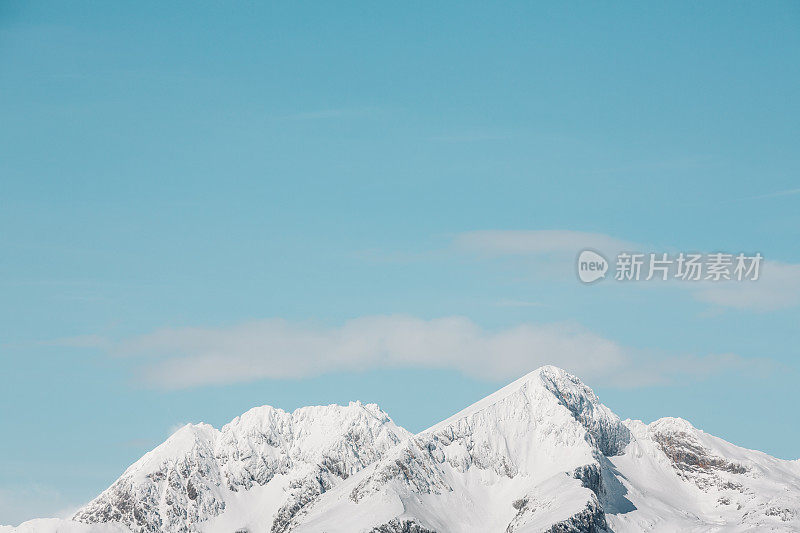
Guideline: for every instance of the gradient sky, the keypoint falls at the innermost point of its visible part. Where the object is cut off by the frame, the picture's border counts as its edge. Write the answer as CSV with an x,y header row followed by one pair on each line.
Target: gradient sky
x,y
203,166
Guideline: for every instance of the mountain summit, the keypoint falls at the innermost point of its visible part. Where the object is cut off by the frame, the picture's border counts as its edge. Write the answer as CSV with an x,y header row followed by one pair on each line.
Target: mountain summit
x,y
540,455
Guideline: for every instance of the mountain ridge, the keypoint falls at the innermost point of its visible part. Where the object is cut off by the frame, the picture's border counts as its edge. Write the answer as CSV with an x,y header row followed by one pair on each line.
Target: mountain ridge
x,y
540,454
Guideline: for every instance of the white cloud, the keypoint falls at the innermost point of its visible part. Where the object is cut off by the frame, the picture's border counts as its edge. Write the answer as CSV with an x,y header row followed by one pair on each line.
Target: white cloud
x,y
279,349
521,242
659,371
777,288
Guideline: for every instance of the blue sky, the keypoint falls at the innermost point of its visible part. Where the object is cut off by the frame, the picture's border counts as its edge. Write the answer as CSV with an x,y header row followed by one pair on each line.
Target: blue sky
x,y
242,194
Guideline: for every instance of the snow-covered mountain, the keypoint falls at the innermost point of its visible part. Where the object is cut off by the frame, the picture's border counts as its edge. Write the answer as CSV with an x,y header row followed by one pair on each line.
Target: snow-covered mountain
x,y
540,455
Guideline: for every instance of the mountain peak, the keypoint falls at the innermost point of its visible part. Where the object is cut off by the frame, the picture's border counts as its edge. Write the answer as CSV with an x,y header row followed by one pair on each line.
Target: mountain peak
x,y
555,379
670,424
185,439
535,379
608,431
539,392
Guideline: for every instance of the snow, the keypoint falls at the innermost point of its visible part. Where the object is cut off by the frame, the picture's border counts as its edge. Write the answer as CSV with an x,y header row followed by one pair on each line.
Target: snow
x,y
57,525
540,453
550,502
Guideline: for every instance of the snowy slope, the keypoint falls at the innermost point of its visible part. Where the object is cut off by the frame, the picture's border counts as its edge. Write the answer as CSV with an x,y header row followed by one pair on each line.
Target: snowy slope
x,y
540,455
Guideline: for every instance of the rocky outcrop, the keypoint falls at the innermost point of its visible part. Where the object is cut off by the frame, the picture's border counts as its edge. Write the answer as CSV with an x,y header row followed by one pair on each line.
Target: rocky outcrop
x,y
401,526
591,519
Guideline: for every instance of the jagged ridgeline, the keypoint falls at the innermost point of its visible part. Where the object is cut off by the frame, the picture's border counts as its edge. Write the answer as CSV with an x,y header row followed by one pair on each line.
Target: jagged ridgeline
x,y
540,455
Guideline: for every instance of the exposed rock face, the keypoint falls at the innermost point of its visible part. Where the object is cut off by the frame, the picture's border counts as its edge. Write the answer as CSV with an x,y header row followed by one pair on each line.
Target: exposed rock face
x,y
591,519
415,466
405,526
688,455
607,432
165,495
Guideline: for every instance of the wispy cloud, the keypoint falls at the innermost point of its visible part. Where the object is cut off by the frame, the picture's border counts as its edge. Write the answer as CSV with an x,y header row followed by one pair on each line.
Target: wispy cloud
x,y
778,286
521,242
280,349
777,194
